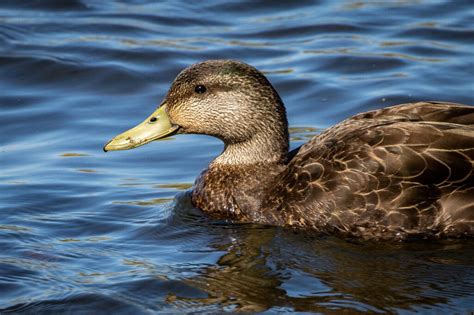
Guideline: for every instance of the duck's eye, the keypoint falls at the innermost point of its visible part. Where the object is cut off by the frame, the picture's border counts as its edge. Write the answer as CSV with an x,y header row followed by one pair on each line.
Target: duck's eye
x,y
200,89
153,119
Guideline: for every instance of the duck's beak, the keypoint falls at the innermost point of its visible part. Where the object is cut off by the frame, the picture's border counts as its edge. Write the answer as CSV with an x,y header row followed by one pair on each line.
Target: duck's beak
x,y
156,126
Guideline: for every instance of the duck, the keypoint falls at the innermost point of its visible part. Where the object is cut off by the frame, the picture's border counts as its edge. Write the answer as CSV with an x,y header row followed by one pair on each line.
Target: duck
x,y
396,173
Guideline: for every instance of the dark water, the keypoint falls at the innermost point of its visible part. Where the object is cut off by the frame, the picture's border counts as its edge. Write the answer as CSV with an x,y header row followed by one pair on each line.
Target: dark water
x,y
85,231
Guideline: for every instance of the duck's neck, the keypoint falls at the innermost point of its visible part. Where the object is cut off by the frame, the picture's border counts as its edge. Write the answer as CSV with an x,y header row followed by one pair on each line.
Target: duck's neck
x,y
238,191
237,182
267,147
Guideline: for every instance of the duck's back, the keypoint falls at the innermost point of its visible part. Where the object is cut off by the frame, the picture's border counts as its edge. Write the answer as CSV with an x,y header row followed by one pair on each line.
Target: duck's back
x,y
397,172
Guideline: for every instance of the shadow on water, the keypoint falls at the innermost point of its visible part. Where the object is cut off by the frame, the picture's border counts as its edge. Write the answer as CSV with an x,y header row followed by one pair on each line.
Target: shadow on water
x,y
266,267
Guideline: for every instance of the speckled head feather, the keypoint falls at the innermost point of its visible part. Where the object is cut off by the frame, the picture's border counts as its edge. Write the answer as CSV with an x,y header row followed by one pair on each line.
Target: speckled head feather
x,y
238,106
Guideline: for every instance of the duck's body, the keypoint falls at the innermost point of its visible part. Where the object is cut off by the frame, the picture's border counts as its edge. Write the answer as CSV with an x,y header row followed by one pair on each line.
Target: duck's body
x,y
392,173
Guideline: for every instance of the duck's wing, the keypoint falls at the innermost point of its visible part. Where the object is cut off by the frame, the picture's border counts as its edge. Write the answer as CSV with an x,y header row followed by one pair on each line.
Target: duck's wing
x,y
393,172
444,112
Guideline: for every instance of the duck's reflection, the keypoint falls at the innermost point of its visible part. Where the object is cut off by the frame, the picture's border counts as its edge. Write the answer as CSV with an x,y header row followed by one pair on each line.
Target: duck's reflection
x,y
267,268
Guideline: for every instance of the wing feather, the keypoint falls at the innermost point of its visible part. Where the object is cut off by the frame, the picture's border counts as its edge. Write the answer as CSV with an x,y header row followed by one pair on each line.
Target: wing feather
x,y
391,172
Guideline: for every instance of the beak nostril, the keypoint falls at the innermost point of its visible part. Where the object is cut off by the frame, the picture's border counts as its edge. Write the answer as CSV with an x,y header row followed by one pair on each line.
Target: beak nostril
x,y
153,119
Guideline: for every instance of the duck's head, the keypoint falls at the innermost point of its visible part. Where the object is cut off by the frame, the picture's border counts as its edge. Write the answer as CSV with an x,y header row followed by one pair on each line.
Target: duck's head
x,y
223,98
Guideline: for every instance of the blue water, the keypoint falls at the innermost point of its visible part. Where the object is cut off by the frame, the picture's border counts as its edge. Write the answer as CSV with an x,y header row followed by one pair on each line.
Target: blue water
x,y
84,231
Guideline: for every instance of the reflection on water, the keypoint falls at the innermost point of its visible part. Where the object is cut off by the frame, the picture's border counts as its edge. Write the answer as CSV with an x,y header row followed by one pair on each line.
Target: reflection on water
x,y
81,230
269,267
302,134
155,201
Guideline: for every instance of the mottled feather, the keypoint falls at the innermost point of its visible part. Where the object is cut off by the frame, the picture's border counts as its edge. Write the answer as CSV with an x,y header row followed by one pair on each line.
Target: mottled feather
x,y
393,173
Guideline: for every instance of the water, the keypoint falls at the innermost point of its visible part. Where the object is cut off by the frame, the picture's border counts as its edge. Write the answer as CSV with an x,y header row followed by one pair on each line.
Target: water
x,y
81,230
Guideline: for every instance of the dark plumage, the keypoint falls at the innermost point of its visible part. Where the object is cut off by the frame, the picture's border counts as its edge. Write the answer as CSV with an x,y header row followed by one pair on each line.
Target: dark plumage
x,y
392,173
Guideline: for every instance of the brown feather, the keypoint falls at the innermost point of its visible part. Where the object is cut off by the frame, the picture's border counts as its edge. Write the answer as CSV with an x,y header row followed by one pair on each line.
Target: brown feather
x,y
393,173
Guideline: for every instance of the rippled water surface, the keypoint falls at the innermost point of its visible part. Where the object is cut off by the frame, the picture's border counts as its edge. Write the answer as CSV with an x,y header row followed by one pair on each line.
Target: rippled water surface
x,y
82,231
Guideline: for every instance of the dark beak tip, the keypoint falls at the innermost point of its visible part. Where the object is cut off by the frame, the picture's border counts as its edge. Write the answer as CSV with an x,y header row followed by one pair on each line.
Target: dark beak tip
x,y
105,146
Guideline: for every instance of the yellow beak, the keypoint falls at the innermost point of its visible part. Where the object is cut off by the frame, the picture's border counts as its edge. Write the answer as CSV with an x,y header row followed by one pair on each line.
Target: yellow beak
x,y
156,126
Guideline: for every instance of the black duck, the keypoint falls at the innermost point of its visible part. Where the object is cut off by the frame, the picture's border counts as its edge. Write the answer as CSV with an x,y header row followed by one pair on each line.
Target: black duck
x,y
394,173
